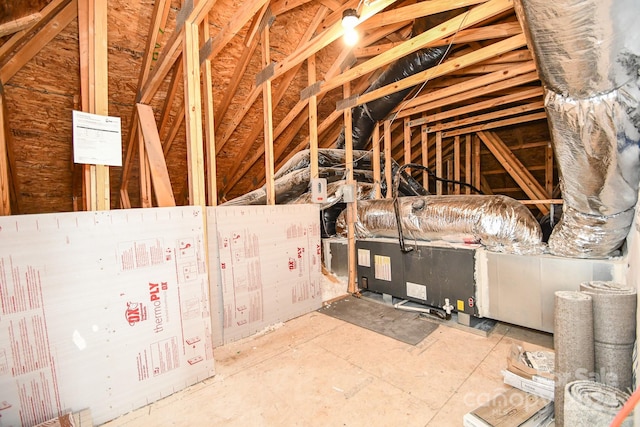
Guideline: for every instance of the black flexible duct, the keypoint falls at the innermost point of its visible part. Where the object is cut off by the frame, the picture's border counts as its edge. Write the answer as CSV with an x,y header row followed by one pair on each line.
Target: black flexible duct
x,y
366,115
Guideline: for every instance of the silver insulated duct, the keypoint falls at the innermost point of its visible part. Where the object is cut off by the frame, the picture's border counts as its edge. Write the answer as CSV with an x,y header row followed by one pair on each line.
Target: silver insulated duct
x,y
587,54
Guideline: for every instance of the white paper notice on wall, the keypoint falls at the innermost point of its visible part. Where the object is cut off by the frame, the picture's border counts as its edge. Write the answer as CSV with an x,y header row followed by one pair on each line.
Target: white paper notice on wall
x,y
105,310
97,140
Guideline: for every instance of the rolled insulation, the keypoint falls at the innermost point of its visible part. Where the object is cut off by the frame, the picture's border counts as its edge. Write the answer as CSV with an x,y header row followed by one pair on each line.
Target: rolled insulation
x,y
500,223
588,55
573,342
591,404
614,331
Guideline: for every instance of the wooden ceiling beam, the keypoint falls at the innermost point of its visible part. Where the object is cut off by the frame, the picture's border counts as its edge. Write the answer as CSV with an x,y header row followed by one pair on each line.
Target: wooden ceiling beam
x,y
215,44
446,29
464,36
13,44
281,6
521,95
496,124
515,168
470,89
503,113
44,35
479,55
19,24
325,38
418,10
172,51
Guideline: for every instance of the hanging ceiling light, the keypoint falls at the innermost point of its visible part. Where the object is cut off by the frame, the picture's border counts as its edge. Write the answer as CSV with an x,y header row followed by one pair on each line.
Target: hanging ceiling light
x,y
349,21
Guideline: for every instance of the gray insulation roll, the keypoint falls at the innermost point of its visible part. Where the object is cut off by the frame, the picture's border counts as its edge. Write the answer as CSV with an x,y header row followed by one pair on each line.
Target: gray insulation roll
x,y
573,341
592,404
614,331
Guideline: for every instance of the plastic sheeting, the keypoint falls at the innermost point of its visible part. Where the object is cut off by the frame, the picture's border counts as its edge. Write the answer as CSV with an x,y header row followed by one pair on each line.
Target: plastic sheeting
x,y
500,223
292,179
294,184
588,56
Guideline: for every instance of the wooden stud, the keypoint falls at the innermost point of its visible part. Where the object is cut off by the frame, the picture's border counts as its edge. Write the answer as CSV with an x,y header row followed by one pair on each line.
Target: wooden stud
x,y
209,126
267,108
193,117
424,149
548,171
92,17
170,53
158,20
5,190
467,163
407,143
439,162
476,162
351,206
313,118
157,164
387,158
376,161
144,171
456,164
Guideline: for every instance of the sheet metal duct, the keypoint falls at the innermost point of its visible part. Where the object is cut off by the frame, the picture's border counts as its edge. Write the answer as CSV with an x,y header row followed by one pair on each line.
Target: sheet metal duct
x,y
587,54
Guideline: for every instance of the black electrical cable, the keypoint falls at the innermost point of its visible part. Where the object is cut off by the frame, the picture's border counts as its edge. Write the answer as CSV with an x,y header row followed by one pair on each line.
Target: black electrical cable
x,y
396,206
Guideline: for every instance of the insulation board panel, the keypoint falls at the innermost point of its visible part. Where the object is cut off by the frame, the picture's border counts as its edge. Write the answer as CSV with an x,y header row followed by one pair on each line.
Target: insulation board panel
x,y
268,265
103,310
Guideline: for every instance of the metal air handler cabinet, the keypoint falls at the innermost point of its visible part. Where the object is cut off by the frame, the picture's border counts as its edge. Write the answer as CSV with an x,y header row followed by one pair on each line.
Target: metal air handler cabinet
x,y
427,274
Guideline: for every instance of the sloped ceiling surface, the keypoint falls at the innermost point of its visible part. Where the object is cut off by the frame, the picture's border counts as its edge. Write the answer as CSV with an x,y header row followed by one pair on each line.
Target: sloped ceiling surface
x,y
486,83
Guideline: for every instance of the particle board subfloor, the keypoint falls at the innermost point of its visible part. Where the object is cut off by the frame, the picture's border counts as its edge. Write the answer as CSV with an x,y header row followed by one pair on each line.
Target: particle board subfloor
x,y
317,370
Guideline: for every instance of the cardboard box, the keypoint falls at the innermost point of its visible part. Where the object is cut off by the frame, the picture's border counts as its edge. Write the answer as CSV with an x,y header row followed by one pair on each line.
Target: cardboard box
x,y
510,409
538,386
529,361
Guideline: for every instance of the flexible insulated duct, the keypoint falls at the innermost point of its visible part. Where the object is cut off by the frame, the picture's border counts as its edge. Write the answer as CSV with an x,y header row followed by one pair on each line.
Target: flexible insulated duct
x,y
500,223
366,115
587,54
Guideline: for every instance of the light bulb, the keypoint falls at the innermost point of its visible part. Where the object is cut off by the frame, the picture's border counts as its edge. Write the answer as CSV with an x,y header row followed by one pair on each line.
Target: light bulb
x,y
351,36
349,18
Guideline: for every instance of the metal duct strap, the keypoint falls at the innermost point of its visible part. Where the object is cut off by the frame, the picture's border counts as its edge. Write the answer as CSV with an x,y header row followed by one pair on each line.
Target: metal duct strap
x,y
588,55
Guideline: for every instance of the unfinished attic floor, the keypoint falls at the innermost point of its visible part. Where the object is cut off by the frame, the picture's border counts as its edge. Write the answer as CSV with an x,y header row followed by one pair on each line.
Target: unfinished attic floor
x,y
316,370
